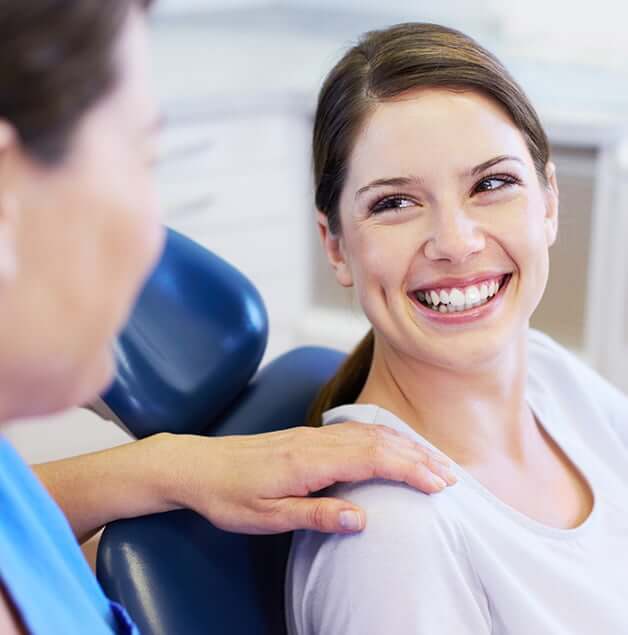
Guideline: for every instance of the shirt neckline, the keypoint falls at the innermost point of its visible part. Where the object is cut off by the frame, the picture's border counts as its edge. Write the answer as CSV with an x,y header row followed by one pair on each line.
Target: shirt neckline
x,y
368,413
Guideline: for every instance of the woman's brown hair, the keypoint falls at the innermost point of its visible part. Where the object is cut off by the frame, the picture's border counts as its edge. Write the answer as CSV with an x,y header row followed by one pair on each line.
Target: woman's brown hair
x,y
57,61
383,65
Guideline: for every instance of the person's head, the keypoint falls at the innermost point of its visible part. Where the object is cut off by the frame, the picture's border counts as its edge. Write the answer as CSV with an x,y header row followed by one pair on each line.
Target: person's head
x,y
79,220
432,173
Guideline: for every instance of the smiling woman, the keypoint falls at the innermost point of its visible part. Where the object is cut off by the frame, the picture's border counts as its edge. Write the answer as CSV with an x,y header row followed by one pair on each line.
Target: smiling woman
x,y
438,203
385,88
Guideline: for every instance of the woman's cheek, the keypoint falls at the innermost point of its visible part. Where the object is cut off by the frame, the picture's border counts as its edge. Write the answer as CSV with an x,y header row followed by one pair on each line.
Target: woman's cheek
x,y
384,263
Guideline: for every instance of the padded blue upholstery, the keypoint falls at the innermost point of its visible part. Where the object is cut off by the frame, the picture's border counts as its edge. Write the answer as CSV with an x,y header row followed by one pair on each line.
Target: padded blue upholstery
x,y
194,339
175,572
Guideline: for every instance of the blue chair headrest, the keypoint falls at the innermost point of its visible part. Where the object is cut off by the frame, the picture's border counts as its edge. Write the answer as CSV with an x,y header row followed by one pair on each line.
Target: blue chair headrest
x,y
175,572
194,339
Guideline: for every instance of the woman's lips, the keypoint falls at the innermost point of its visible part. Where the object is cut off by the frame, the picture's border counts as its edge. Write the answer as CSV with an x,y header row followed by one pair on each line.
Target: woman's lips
x,y
461,283
482,303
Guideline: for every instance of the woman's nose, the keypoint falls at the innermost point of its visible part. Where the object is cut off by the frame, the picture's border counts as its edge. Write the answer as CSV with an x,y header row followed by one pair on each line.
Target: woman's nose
x,y
454,237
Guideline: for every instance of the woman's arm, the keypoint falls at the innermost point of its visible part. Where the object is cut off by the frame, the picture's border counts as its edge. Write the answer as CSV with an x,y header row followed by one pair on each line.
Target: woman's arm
x,y
250,483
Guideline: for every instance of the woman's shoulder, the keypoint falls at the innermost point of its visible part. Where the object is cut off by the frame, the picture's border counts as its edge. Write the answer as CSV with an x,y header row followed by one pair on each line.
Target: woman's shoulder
x,y
394,508
569,394
401,523
558,371
545,350
560,374
413,545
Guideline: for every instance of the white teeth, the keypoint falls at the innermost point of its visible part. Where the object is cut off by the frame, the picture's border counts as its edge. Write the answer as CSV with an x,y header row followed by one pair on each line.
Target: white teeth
x,y
456,297
471,295
449,301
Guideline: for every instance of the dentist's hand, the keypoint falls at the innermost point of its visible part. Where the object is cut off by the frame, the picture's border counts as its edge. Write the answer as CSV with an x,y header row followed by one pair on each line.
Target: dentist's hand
x,y
252,484
261,483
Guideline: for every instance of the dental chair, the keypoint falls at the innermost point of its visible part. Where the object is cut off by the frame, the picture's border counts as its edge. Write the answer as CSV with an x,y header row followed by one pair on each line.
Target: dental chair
x,y
187,363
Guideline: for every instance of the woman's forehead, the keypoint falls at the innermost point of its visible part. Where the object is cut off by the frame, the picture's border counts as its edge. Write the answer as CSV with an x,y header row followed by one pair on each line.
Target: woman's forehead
x,y
433,128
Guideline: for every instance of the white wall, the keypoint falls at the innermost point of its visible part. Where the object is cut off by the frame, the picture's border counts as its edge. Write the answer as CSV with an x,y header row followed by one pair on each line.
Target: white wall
x,y
66,434
590,33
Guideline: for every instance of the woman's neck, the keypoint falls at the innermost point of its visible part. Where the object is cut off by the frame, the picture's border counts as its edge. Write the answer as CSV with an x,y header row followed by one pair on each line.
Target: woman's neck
x,y
469,414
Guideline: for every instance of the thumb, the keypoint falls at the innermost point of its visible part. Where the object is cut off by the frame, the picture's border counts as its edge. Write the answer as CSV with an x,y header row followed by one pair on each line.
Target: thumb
x,y
327,515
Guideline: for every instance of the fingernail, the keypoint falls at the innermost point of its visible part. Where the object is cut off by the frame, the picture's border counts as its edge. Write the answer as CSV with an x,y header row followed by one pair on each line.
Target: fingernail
x,y
350,521
438,481
450,477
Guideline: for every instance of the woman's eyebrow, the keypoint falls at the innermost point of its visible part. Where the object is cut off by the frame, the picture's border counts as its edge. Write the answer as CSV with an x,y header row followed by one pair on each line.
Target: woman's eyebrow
x,y
491,162
405,181
398,181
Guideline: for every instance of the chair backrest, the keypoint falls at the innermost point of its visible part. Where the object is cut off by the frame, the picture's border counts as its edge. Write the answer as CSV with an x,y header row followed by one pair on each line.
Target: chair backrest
x,y
194,340
175,572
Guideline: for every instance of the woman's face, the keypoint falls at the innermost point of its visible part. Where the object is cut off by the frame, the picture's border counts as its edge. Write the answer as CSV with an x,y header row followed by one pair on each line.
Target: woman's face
x,y
445,227
84,234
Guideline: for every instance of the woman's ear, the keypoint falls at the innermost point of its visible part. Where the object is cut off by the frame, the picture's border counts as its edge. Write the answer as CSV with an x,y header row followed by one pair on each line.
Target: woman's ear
x,y
8,209
551,204
334,247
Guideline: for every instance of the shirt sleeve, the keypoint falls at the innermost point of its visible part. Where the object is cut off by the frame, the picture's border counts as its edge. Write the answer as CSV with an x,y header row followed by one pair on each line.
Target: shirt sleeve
x,y
408,572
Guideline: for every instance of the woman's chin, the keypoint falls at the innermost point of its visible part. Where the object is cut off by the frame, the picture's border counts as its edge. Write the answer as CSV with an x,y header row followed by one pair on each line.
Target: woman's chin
x,y
474,349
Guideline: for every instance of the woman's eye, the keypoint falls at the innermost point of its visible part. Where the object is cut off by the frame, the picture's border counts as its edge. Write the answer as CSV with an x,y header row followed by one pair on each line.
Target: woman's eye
x,y
392,203
492,183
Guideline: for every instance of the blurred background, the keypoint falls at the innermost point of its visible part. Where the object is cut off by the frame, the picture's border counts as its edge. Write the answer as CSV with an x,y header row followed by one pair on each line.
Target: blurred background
x,y
238,82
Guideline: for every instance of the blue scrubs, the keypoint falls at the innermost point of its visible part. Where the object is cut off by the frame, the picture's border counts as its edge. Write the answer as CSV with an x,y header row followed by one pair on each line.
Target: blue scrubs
x,y
41,564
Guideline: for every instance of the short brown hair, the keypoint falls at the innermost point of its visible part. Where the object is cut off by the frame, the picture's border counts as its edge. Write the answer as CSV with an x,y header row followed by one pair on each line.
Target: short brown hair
x,y
57,61
383,65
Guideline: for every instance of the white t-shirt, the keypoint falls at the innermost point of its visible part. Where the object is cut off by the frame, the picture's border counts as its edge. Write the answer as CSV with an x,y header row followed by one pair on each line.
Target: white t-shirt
x,y
463,562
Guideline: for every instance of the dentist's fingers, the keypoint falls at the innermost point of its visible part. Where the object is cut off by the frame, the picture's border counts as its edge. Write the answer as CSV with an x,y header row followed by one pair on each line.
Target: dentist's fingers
x,y
380,452
327,515
434,461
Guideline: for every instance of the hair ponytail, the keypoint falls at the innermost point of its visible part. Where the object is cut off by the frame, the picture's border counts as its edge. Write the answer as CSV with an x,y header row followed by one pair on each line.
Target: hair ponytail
x,y
345,386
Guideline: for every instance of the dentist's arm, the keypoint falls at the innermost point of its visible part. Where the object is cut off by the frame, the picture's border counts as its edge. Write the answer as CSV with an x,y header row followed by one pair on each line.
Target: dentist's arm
x,y
249,484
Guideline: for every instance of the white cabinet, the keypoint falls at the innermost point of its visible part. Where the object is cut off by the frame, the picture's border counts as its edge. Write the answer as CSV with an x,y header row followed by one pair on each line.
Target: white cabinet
x,y
609,313
239,185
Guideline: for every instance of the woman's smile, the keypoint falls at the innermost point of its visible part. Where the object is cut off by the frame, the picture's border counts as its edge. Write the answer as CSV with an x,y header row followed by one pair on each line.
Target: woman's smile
x,y
451,303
